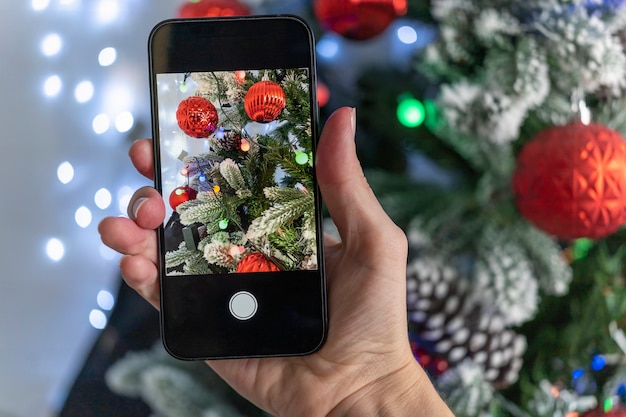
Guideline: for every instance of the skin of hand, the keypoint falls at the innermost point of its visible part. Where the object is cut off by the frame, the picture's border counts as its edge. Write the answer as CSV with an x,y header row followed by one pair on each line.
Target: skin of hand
x,y
366,367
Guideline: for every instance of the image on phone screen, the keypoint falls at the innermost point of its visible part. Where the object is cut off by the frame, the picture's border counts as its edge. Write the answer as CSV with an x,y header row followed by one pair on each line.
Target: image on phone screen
x,y
236,164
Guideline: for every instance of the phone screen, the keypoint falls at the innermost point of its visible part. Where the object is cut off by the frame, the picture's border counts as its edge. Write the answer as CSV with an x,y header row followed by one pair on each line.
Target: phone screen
x,y
237,170
234,127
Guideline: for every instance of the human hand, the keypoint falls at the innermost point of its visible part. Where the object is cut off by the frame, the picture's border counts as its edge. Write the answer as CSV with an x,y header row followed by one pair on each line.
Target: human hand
x,y
366,367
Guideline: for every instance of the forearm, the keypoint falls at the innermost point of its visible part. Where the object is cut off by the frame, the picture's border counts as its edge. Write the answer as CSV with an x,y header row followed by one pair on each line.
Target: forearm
x,y
408,393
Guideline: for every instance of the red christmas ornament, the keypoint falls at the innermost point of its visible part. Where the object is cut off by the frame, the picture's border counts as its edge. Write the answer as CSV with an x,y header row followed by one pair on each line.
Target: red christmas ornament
x,y
570,181
264,101
180,195
197,117
358,19
212,8
256,262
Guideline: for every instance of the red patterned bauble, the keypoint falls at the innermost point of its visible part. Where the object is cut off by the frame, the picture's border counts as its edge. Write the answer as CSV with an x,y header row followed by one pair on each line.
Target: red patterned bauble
x,y
570,181
213,8
264,101
358,19
180,195
197,117
256,262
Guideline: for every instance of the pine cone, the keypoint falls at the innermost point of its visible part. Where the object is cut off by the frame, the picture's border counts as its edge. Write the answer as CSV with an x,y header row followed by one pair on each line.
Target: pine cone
x,y
230,142
450,321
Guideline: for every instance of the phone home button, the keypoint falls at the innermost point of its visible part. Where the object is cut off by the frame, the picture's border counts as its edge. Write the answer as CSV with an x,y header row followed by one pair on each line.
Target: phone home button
x,y
243,305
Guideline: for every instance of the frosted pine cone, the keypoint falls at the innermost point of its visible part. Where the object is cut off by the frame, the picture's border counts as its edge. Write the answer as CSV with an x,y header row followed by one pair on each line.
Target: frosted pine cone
x,y
451,322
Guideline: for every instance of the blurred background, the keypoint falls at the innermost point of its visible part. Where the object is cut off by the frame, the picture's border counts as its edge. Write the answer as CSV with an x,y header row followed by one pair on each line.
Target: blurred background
x,y
75,95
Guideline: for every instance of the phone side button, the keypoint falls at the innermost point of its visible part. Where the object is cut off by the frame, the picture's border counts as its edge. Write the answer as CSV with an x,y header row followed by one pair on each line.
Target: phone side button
x,y
243,305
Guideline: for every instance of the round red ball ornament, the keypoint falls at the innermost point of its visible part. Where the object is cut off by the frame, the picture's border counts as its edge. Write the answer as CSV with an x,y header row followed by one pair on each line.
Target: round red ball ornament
x,y
256,262
197,117
264,101
358,19
212,8
180,195
570,181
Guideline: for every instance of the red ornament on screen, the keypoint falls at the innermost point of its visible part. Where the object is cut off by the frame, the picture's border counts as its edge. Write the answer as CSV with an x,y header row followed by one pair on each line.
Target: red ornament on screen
x,y
181,195
212,8
570,181
256,262
264,101
358,19
197,117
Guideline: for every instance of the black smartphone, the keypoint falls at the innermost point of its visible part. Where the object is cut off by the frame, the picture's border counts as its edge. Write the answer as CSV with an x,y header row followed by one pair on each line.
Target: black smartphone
x,y
235,116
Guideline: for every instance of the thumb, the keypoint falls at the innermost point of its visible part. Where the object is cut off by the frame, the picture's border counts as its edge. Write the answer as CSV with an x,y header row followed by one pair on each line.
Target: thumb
x,y
349,198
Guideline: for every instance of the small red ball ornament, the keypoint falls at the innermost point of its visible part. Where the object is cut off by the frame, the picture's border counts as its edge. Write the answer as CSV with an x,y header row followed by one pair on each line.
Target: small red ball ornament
x,y
358,19
212,8
264,101
256,262
180,195
197,117
570,181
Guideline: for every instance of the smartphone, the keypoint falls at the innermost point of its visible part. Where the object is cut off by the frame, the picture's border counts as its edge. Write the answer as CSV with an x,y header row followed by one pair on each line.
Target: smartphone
x,y
234,114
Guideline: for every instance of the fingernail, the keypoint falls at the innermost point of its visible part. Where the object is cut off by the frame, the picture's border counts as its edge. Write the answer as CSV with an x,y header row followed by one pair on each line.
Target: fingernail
x,y
135,208
354,119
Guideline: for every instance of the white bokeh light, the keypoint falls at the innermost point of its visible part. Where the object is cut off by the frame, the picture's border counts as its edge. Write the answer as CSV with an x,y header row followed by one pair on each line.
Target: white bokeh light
x,y
52,86
51,44
65,172
106,300
39,5
124,122
98,319
84,91
101,123
407,35
103,199
107,11
83,217
55,249
107,56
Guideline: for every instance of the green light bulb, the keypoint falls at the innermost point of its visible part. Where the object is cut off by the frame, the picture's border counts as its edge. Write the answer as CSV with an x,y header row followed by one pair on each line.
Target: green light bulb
x,y
411,112
302,158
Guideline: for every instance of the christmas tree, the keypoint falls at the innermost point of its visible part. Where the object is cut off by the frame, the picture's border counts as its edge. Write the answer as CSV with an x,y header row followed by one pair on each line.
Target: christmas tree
x,y
515,282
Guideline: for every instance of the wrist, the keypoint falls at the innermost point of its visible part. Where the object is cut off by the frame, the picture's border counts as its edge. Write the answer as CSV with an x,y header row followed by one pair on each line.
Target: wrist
x,y
407,392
